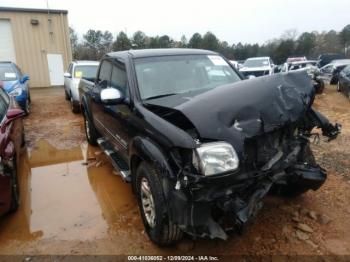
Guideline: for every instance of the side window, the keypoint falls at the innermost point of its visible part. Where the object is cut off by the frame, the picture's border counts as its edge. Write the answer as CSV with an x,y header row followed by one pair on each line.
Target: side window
x,y
118,79
105,72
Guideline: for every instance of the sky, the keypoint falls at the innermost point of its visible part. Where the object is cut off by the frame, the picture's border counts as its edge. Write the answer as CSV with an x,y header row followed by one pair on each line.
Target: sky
x,y
247,21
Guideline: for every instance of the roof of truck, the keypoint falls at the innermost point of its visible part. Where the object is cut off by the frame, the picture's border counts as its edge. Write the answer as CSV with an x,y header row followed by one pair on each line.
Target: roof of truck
x,y
162,52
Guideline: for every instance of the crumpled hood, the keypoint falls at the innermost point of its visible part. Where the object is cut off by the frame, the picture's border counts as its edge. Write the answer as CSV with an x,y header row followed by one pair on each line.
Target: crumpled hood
x,y
10,85
245,109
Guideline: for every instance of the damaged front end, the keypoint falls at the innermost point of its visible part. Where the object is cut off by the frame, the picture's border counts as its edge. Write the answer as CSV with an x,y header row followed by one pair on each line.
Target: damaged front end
x,y
268,123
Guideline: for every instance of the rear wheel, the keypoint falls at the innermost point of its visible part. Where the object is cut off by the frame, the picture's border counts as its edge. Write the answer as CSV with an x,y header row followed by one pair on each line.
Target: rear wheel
x,y
153,207
90,131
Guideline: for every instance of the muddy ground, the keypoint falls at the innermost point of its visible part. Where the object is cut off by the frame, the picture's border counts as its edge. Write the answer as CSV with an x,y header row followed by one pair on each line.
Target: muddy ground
x,y
69,207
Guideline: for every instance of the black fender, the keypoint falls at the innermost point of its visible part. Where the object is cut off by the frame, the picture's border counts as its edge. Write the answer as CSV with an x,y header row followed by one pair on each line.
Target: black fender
x,y
145,149
85,107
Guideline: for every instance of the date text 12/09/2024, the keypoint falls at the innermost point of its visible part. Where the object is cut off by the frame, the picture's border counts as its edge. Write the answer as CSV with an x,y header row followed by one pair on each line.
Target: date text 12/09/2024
x,y
173,258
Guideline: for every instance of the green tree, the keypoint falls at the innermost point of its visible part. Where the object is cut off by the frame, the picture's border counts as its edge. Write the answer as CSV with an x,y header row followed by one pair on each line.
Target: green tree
x,y
195,41
344,36
122,42
305,44
106,42
183,42
210,42
73,41
164,41
139,40
284,50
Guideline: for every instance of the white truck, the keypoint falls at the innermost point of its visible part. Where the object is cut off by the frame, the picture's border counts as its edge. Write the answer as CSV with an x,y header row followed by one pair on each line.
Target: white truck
x,y
78,70
257,66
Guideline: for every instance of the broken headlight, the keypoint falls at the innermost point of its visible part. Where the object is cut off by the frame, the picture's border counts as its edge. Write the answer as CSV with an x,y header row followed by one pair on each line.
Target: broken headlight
x,y
17,91
214,158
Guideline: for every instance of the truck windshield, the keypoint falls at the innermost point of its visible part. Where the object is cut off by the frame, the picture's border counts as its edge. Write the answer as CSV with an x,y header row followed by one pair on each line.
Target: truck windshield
x,y
7,73
169,75
87,72
256,62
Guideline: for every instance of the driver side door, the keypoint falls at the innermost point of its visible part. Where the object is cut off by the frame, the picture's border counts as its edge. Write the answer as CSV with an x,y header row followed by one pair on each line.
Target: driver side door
x,y
103,81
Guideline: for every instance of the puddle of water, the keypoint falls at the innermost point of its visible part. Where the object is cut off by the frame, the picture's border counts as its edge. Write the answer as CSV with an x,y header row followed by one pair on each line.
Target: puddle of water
x,y
65,200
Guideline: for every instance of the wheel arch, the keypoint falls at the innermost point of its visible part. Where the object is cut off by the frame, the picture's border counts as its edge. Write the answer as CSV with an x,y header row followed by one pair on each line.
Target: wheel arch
x,y
145,149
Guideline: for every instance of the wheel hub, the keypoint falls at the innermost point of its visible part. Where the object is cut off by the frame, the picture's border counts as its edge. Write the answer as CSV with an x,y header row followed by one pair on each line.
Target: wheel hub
x,y
148,203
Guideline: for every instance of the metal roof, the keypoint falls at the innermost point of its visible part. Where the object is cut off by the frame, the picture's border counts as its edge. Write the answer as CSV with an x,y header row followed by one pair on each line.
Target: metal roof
x,y
138,53
32,10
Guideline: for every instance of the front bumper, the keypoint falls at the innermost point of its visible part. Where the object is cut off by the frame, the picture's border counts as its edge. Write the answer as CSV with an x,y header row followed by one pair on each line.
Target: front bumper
x,y
208,210
210,206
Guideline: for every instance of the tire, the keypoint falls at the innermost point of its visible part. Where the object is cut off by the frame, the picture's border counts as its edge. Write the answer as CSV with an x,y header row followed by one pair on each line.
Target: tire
x,y
15,200
67,96
158,226
294,189
90,131
27,106
320,86
338,87
74,107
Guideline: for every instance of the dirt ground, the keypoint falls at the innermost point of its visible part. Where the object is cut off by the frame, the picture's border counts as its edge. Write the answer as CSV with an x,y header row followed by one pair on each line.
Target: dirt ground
x,y
74,205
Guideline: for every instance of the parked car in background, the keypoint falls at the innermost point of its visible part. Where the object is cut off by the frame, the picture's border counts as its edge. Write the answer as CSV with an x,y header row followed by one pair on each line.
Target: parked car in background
x,y
257,66
78,70
296,59
240,63
16,84
344,81
310,67
11,141
330,72
325,59
234,63
201,148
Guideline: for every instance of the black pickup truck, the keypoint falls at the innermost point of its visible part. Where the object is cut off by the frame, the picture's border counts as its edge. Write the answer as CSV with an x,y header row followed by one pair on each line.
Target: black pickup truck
x,y
201,147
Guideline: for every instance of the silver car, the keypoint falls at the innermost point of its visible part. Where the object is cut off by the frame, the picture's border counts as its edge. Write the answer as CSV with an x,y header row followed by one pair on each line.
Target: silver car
x,y
76,71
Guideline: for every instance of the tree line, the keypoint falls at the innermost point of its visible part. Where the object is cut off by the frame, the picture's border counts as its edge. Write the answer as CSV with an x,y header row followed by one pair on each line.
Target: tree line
x,y
95,43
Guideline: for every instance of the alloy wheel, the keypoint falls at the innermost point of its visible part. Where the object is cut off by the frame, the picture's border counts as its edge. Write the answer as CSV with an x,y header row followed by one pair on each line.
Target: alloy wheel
x,y
148,203
87,128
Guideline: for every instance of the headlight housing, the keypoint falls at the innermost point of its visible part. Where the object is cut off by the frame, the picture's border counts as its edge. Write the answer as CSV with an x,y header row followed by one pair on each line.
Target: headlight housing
x,y
16,92
215,158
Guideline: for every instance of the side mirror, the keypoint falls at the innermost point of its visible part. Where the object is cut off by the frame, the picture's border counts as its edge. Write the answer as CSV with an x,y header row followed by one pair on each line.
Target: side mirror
x,y
67,75
111,96
24,79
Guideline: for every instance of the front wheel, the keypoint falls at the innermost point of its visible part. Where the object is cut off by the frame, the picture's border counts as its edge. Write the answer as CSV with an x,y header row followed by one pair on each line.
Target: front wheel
x,y
27,106
338,87
153,207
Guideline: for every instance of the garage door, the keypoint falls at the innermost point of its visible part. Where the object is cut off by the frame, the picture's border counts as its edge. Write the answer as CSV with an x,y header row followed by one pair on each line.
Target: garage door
x,y
7,49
